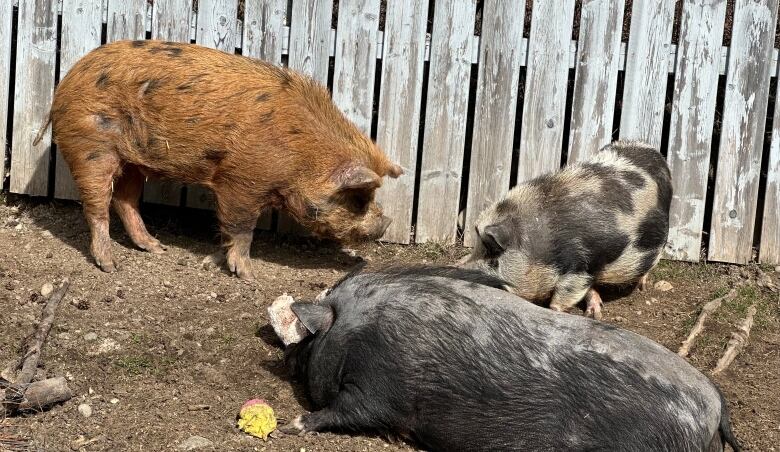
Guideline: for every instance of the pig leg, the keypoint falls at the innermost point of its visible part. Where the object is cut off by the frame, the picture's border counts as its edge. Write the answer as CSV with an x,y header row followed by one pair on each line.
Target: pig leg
x,y
594,304
127,193
345,412
237,224
570,289
642,285
94,180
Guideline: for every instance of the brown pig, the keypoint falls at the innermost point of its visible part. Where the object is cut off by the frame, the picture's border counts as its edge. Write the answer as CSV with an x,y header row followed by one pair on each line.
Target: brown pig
x,y
257,135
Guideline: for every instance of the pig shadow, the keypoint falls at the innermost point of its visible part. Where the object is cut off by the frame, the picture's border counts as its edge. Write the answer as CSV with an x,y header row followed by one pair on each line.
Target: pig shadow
x,y
194,230
278,367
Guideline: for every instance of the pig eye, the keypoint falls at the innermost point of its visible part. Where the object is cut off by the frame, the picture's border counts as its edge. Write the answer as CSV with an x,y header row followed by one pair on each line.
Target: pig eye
x,y
358,201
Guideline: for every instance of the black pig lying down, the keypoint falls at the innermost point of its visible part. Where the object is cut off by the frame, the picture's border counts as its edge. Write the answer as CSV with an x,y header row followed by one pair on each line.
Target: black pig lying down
x,y
444,357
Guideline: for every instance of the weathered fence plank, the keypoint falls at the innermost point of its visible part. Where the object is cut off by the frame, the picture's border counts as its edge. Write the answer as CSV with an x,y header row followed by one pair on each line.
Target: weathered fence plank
x,y
595,77
445,120
647,60
399,109
126,20
35,65
769,253
495,109
744,116
544,105
263,28
216,30
6,25
81,28
693,115
355,61
310,37
170,22
263,39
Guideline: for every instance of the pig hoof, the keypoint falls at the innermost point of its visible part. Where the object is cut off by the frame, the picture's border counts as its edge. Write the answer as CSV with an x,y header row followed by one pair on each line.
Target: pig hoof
x,y
154,247
295,427
214,259
108,266
594,311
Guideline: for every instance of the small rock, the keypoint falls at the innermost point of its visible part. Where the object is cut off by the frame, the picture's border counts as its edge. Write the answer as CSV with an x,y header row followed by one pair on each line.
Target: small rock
x,y
349,252
619,319
68,376
114,401
167,283
49,255
195,443
85,410
89,337
210,331
47,289
213,295
46,234
182,262
663,286
245,316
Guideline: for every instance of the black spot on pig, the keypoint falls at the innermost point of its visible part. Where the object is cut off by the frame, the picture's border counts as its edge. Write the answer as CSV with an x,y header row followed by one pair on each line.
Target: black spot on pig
x,y
615,192
655,165
215,155
170,48
102,80
633,178
104,122
652,230
262,97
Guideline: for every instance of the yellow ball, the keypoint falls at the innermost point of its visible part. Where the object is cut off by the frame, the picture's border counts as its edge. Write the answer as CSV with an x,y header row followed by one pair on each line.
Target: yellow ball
x,y
257,418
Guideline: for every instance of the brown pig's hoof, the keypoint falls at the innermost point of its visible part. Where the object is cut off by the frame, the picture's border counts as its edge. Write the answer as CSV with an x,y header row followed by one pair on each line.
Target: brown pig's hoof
x,y
241,267
154,247
107,266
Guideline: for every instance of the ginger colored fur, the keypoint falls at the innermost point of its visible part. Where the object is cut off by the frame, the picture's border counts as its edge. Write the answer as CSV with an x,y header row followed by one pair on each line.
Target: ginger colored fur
x,y
258,135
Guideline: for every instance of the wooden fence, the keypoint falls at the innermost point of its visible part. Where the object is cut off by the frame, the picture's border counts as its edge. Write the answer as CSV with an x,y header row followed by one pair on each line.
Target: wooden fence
x,y
468,115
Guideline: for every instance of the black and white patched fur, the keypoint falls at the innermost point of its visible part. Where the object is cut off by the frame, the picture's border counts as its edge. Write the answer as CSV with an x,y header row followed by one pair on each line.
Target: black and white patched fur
x,y
600,222
444,357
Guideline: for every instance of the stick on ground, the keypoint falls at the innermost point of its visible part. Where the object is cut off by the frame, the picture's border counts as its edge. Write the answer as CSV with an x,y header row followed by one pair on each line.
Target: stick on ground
x,y
14,394
737,342
708,309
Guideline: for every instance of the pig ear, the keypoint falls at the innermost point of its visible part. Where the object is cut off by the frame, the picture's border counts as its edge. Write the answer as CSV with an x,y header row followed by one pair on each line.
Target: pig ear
x,y
496,237
315,317
394,171
357,177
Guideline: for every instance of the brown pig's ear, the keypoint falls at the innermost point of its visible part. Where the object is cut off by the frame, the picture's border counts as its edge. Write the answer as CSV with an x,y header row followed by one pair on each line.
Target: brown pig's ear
x,y
394,170
357,177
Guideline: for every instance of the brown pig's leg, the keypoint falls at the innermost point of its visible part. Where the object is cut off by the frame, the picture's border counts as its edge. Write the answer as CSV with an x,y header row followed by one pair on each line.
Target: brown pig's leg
x,y
127,193
94,179
237,223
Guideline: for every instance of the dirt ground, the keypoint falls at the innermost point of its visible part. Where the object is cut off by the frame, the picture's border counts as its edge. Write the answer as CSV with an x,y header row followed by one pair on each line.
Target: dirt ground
x,y
163,349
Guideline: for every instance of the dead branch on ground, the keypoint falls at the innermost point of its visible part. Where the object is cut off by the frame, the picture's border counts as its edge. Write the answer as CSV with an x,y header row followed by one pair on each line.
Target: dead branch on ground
x,y
737,342
706,311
